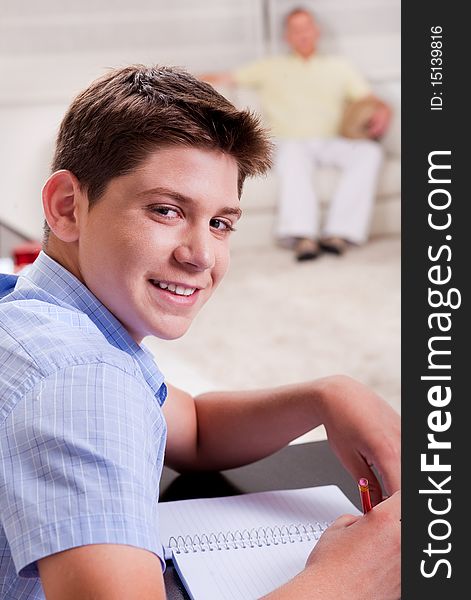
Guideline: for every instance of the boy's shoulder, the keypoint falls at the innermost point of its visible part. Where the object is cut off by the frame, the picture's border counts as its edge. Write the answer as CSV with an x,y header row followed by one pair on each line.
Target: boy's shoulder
x,y
38,338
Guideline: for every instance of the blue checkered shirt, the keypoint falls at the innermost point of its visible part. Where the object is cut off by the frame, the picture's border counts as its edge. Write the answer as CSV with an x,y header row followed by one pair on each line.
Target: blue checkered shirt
x,y
82,435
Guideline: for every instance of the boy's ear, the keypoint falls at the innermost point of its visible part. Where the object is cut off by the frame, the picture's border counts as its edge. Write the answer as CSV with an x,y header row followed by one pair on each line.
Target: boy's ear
x,y
61,196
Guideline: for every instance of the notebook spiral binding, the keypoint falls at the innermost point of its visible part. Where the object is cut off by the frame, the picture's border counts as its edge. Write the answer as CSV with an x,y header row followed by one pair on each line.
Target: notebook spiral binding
x,y
262,536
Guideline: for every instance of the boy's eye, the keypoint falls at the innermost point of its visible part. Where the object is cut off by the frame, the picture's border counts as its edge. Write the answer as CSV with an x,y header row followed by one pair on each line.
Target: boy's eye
x,y
221,225
165,211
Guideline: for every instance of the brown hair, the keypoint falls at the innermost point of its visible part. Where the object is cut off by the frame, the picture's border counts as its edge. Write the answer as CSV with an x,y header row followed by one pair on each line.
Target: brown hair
x,y
115,123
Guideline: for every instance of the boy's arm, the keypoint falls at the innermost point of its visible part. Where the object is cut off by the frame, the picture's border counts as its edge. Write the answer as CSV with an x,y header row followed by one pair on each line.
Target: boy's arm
x,y
356,558
102,572
221,430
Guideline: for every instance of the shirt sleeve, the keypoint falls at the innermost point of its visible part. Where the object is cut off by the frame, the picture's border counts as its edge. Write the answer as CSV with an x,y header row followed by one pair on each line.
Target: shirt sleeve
x,y
82,460
251,74
356,86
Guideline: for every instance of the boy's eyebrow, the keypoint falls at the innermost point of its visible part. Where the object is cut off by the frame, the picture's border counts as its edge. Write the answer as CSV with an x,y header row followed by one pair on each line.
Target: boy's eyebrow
x,y
226,210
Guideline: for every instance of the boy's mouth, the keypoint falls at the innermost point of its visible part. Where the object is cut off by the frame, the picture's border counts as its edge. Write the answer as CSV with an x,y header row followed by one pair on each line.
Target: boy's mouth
x,y
178,290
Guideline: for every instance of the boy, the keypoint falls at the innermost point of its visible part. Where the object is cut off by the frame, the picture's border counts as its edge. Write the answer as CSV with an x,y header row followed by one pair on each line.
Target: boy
x,y
147,176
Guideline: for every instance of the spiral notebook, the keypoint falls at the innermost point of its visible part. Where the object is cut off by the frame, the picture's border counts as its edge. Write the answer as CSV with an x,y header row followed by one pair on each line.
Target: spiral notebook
x,y
243,547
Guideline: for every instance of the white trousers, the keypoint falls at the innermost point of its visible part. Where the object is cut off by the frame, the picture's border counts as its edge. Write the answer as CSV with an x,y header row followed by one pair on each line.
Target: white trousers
x,y
350,209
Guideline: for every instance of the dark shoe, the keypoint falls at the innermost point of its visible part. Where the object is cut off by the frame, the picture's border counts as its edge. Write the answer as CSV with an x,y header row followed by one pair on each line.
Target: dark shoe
x,y
334,245
306,249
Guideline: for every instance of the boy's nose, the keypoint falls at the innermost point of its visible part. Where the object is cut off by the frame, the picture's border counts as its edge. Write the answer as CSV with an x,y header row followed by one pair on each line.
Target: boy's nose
x,y
197,251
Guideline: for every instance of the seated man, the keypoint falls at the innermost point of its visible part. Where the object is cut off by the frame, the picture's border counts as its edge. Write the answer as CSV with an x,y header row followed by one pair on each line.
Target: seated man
x,y
304,95
140,207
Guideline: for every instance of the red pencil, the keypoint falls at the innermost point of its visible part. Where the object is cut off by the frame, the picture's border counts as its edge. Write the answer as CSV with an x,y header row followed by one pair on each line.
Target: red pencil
x,y
365,495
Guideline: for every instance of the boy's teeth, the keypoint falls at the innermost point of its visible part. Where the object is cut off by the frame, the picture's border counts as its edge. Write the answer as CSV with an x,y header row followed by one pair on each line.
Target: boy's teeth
x,y
176,289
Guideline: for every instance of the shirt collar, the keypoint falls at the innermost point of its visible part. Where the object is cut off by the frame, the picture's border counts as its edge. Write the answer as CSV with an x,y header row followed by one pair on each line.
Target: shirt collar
x,y
65,288
295,57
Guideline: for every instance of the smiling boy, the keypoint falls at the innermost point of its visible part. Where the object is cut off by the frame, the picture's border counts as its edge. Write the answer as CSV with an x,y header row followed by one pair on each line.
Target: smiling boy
x,y
144,195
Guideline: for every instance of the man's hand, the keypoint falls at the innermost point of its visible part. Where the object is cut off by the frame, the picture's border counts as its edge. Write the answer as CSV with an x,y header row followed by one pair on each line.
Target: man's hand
x,y
379,122
224,78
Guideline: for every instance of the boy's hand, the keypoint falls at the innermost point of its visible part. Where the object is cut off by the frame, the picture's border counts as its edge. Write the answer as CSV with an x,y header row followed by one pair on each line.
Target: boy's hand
x,y
357,558
364,431
360,557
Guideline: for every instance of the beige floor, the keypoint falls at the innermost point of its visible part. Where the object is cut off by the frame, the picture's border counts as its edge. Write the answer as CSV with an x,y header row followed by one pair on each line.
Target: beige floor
x,y
275,321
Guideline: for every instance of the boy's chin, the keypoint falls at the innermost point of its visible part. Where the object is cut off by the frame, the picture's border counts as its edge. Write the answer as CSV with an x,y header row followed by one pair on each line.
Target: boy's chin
x,y
172,332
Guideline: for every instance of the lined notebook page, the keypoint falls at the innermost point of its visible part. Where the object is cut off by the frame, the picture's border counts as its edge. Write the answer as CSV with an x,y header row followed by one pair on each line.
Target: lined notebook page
x,y
241,574
246,573
248,511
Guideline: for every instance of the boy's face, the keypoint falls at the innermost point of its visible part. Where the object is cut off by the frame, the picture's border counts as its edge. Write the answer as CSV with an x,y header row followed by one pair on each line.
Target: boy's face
x,y
156,244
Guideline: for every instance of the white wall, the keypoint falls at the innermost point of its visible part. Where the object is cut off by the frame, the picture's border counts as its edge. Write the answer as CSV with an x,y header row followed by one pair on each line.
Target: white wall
x,y
27,134
50,49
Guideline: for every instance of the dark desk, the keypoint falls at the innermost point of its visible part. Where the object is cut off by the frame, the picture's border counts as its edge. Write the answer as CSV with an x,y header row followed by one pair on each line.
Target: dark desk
x,y
298,466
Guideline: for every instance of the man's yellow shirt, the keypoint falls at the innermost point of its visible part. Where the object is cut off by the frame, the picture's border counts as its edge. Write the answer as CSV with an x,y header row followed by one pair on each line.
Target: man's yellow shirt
x,y
303,98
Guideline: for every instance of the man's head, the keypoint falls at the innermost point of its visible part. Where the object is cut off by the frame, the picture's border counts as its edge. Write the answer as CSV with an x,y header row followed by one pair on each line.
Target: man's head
x,y
301,32
148,171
